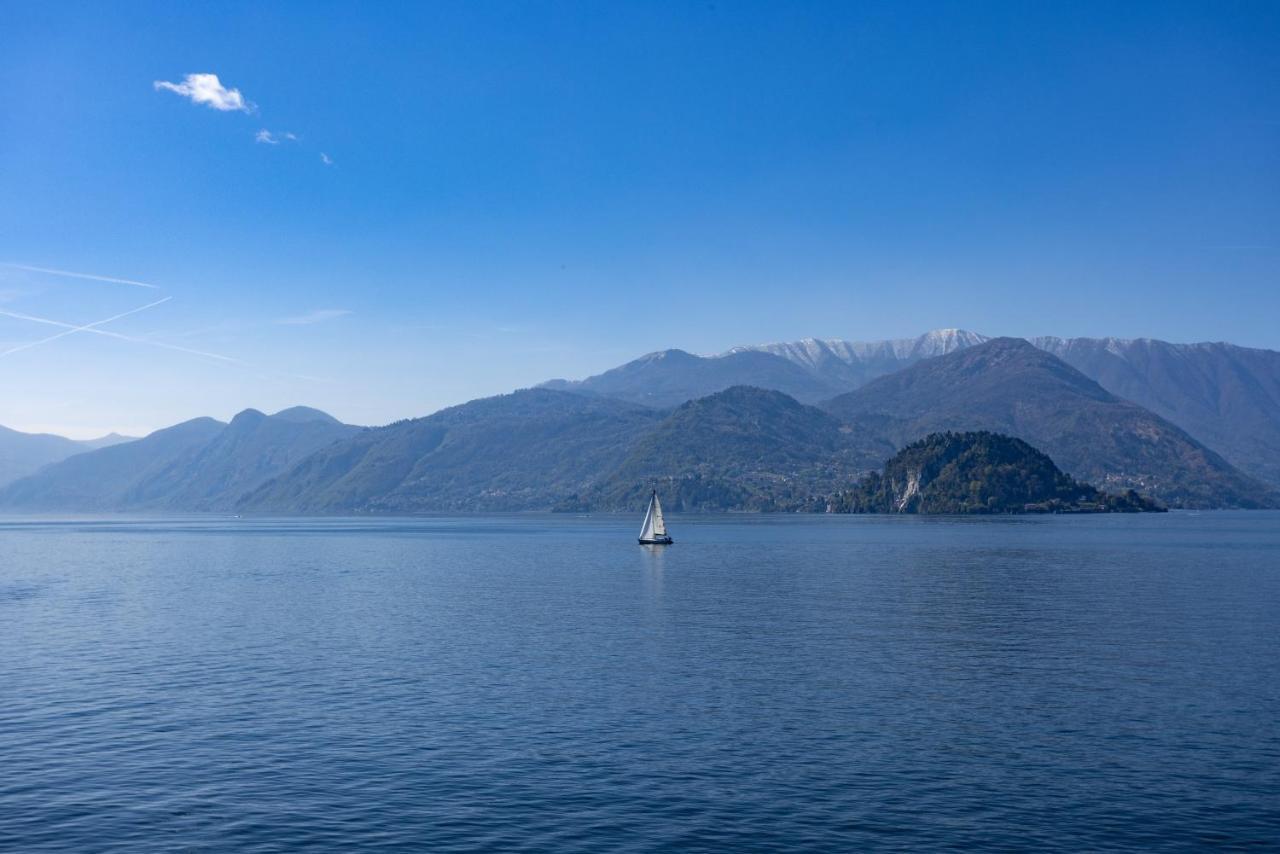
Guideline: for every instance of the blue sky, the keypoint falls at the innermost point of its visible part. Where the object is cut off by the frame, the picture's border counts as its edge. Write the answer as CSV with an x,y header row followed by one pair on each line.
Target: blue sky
x,y
522,191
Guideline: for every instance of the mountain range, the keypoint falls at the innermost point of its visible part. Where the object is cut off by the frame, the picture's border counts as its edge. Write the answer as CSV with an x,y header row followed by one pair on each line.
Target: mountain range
x,y
1226,396
1009,386
776,427
743,448
811,370
516,451
23,453
201,464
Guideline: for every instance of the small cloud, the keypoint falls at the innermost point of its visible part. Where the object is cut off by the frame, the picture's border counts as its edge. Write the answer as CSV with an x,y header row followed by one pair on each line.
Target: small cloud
x,y
270,138
207,89
326,159
318,316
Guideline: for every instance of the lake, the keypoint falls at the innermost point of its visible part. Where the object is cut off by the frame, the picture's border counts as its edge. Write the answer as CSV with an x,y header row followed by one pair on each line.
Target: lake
x,y
542,683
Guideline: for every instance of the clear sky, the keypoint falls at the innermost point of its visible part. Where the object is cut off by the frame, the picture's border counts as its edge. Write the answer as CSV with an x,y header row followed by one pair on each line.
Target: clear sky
x,y
454,200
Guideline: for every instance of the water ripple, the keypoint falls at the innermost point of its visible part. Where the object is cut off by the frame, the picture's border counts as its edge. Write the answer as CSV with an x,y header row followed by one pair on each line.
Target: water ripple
x,y
540,684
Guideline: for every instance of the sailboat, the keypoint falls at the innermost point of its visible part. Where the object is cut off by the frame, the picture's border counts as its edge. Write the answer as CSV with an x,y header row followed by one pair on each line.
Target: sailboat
x,y
654,530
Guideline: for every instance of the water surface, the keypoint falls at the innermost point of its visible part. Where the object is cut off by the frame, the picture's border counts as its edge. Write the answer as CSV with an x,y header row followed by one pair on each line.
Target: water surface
x,y
544,684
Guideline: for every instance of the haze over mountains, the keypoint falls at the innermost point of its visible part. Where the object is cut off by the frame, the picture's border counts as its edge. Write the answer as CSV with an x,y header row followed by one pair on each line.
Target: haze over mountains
x,y
810,370
1225,396
513,452
23,453
1008,386
201,464
742,448
1193,425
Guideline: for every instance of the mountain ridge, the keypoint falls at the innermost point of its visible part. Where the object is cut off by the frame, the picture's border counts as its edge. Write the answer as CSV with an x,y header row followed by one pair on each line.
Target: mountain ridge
x,y
1009,386
22,453
668,378
746,448
507,452
194,465
812,351
1224,395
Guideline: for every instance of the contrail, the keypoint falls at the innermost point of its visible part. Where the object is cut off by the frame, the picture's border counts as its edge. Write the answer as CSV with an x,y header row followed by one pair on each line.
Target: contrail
x,y
174,347
80,275
241,363
93,330
71,329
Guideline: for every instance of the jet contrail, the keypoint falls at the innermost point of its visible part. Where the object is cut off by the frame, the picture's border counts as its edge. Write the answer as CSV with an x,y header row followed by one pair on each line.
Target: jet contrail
x,y
174,347
93,330
80,275
88,327
241,363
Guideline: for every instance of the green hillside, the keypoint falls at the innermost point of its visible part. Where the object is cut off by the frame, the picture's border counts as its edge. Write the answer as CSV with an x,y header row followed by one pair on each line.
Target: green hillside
x,y
978,472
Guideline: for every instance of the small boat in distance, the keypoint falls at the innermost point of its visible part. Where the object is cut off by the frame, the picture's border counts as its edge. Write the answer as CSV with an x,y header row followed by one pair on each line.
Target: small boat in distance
x,y
654,530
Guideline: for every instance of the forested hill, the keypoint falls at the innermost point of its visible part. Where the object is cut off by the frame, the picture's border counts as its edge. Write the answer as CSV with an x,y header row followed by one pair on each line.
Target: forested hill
x,y
979,472
1008,386
740,449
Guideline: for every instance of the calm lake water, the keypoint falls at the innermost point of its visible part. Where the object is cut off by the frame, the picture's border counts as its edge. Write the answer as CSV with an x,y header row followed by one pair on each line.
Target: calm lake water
x,y
544,684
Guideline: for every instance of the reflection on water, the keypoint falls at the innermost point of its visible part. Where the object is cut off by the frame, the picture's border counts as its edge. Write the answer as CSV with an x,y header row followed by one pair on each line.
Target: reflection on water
x,y
543,683
651,558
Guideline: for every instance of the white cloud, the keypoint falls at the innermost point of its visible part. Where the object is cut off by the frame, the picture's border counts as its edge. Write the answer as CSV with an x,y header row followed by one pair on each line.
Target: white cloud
x,y
270,138
207,89
326,159
318,316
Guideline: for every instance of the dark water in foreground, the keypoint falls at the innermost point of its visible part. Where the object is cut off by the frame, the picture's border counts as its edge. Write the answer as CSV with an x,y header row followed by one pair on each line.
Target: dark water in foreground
x,y
544,684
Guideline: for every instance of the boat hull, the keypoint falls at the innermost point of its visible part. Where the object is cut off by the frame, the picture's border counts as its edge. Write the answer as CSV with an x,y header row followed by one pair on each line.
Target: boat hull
x,y
655,541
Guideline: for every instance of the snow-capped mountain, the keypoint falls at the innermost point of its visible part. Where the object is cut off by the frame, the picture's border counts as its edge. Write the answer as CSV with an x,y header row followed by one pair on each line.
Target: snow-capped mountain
x,y
1226,396
815,352
858,362
809,370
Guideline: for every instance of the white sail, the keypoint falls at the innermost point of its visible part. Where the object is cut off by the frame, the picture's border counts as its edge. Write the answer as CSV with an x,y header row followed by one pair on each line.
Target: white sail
x,y
659,526
654,529
646,530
